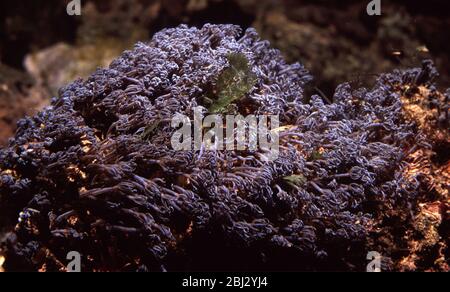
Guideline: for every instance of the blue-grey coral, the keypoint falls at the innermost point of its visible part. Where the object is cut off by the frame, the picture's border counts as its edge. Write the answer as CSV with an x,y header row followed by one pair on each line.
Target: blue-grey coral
x,y
79,175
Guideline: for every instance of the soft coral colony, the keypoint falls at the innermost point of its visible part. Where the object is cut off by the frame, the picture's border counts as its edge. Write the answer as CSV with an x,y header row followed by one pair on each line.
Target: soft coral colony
x,y
353,175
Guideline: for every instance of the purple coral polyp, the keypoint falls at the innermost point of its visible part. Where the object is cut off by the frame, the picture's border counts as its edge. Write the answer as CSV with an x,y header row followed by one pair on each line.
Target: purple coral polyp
x,y
83,179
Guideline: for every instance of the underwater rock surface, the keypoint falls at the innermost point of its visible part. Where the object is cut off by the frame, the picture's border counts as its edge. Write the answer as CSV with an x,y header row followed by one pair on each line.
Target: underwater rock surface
x,y
352,176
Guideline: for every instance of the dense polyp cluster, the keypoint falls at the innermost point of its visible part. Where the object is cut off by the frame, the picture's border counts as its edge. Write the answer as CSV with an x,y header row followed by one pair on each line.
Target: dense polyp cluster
x,y
79,176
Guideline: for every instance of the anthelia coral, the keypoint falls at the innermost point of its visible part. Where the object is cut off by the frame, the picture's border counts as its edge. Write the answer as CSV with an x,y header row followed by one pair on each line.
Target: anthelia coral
x,y
95,172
